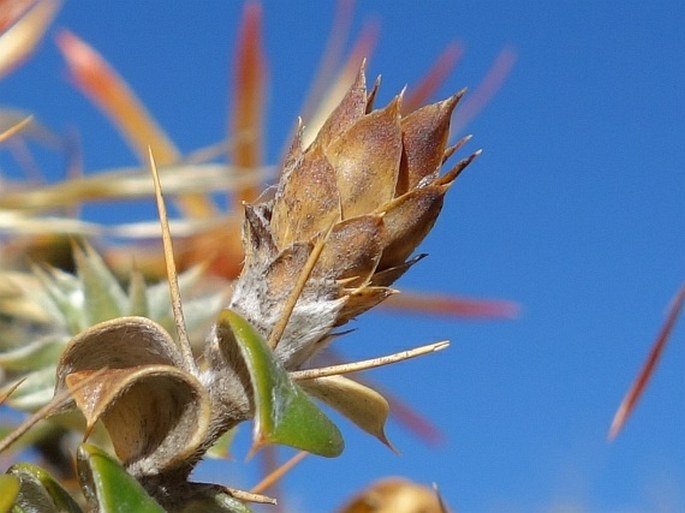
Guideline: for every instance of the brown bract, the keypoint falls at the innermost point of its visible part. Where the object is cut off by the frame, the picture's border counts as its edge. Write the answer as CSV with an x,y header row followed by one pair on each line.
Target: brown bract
x,y
369,185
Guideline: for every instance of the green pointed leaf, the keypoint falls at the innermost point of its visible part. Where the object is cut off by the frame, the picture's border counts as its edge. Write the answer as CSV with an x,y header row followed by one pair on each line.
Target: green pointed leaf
x,y
39,491
34,355
284,413
137,295
35,391
9,489
200,310
66,297
158,293
108,487
104,298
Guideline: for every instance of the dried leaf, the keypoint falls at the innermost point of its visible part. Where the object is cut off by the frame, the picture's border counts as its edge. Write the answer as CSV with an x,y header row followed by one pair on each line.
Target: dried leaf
x,y
157,416
424,135
350,108
452,306
407,220
365,407
323,109
353,249
308,194
248,115
433,79
640,384
118,344
366,159
395,495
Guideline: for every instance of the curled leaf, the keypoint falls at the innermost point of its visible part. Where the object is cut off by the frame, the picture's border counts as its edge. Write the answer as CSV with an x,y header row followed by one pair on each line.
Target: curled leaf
x,y
116,344
156,415
283,412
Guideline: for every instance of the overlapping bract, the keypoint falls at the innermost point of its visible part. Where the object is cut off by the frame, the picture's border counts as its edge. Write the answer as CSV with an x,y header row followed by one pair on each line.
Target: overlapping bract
x,y
369,185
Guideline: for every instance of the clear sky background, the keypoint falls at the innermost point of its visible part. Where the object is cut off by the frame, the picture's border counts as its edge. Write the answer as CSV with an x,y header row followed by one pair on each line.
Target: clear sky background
x,y
575,210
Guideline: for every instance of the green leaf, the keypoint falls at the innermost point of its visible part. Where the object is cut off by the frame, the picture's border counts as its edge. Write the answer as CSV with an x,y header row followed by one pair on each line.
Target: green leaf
x,y
35,391
103,295
108,487
284,413
33,355
65,298
39,491
9,489
137,295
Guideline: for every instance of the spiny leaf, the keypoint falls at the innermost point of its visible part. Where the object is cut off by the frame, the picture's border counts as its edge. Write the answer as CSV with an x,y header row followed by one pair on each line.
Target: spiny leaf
x,y
34,355
108,487
137,295
66,298
284,414
36,390
452,306
104,298
248,116
638,387
433,79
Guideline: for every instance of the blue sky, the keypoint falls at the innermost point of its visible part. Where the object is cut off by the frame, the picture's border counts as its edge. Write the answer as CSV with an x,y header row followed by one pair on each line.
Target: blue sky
x,y
574,211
